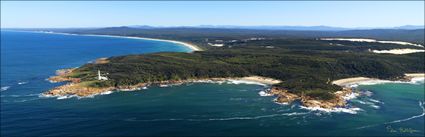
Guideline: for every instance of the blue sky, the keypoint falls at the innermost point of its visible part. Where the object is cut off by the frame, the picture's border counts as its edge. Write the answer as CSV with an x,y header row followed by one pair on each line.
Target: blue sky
x,y
108,13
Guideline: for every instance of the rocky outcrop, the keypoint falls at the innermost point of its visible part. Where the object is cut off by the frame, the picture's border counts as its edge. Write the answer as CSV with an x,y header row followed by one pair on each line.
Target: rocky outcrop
x,y
63,75
283,96
75,89
338,101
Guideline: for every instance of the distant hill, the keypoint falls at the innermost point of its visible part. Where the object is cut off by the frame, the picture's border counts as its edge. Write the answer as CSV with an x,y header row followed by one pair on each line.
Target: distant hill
x,y
410,27
302,28
200,33
415,35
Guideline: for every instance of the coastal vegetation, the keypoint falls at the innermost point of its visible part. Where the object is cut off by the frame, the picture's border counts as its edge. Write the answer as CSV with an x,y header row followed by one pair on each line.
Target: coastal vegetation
x,y
302,71
305,66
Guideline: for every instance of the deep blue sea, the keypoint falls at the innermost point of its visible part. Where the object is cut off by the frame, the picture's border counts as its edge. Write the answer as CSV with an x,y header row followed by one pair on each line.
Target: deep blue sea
x,y
28,59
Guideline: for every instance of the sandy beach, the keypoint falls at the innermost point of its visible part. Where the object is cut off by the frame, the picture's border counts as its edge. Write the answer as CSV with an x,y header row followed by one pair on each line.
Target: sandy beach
x,y
191,46
373,40
351,81
259,79
415,75
398,51
357,80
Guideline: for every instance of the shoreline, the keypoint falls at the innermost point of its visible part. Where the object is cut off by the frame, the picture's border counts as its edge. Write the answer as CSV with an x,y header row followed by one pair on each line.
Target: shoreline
x,y
354,81
76,88
81,89
185,44
373,40
398,51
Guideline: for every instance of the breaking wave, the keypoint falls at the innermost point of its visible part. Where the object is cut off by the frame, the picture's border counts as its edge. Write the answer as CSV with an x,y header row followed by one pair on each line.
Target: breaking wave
x,y
74,96
221,119
350,96
370,104
4,88
367,93
421,105
264,94
21,83
378,81
20,100
17,96
352,110
376,101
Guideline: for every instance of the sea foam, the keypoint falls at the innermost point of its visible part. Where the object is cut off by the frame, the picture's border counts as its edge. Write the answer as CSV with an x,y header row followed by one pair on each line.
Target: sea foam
x,y
4,88
417,80
352,110
264,94
222,119
21,83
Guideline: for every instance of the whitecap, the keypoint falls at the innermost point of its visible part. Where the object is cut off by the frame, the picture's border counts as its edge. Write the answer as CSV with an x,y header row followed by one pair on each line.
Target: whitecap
x,y
21,83
370,104
4,88
280,103
361,102
376,101
65,97
350,96
25,95
256,117
25,100
283,103
375,106
264,93
416,80
367,93
352,110
222,119
353,85
106,93
400,120
164,86
41,95
412,117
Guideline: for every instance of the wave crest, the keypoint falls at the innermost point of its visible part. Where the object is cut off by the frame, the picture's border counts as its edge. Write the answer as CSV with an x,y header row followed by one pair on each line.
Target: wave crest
x,y
221,119
4,88
352,110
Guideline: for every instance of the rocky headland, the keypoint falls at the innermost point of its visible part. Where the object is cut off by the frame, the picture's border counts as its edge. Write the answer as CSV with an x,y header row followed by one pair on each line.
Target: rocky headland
x,y
76,87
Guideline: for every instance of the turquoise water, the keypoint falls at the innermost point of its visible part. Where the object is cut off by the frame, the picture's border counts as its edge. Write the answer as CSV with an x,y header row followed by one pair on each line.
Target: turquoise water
x,y
27,59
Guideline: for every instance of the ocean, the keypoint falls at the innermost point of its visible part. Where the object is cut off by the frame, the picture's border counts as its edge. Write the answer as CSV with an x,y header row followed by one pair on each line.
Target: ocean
x,y
207,109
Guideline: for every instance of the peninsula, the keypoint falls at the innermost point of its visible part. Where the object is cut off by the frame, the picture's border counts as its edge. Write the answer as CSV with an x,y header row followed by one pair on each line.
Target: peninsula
x,y
304,69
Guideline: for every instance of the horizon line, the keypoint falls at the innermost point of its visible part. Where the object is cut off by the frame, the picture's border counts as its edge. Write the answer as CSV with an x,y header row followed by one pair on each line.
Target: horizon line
x,y
206,26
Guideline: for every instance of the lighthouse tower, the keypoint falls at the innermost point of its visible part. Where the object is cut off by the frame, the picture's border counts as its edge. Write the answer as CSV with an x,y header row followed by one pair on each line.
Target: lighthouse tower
x,y
100,77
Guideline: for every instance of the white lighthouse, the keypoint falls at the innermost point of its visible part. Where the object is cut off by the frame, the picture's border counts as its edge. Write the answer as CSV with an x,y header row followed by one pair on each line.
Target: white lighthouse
x,y
100,77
